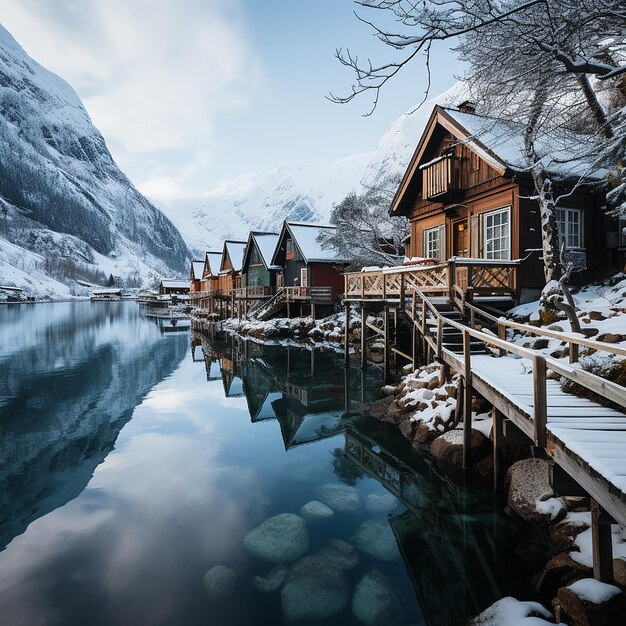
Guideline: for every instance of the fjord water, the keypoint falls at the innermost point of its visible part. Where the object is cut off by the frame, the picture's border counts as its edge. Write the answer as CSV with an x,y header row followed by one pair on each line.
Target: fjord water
x,y
134,460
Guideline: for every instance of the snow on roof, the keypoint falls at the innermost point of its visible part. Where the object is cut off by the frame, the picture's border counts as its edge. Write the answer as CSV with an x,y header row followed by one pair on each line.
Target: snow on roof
x,y
235,252
306,234
215,261
266,243
7,288
102,292
197,268
175,284
503,143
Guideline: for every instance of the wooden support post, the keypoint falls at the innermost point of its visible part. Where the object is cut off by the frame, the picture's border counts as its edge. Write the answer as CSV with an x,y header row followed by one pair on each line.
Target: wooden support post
x,y
501,335
602,544
498,444
573,352
439,338
540,409
346,337
313,310
363,337
386,343
402,294
424,342
414,346
467,402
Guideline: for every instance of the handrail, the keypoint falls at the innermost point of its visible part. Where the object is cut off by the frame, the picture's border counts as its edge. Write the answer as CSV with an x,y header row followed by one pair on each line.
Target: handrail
x,y
555,334
612,391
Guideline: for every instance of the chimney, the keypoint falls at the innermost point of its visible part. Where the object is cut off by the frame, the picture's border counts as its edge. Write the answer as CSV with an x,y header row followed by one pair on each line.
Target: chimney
x,y
467,106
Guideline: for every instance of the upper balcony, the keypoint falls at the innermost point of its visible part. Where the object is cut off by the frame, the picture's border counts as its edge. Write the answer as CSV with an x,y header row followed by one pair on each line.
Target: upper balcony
x,y
443,179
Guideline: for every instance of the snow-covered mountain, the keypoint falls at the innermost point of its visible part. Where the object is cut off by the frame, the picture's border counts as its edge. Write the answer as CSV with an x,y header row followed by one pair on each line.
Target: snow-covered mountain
x,y
299,191
66,210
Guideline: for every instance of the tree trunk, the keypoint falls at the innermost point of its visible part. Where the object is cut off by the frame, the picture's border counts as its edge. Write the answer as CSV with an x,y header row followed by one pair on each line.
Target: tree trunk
x,y
552,269
595,107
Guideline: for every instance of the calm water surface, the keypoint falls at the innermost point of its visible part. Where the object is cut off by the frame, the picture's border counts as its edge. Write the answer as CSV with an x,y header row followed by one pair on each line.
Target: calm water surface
x,y
132,461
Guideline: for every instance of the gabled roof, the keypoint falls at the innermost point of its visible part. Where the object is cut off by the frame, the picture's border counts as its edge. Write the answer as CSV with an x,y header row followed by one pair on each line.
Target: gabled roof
x,y
235,250
266,243
304,235
197,269
498,143
175,284
213,260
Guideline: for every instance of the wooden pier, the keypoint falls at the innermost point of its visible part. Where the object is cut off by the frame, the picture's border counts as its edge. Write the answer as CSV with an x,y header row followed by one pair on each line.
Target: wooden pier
x,y
445,311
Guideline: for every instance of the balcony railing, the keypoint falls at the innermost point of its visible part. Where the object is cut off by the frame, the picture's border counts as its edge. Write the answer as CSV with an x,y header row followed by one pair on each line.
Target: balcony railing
x,y
253,292
443,178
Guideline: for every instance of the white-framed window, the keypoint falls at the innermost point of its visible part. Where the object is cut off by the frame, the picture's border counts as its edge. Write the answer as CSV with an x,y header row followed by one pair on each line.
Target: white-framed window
x,y
497,234
432,243
570,224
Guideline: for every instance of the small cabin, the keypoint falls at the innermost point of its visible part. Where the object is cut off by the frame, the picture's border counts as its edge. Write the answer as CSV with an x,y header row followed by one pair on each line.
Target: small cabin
x,y
171,287
197,270
230,266
211,271
313,272
467,193
105,295
258,273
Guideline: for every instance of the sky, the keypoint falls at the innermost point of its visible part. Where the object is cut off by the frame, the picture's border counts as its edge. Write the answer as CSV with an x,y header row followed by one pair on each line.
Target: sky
x,y
188,93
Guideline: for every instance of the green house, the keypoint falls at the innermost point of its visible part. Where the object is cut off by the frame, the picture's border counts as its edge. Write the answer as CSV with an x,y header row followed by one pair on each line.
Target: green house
x,y
257,269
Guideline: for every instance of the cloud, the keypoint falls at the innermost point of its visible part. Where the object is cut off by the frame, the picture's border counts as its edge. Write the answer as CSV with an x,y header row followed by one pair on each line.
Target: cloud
x,y
154,75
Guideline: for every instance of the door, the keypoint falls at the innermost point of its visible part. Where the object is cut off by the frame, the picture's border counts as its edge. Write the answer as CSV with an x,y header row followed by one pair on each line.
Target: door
x,y
460,238
304,280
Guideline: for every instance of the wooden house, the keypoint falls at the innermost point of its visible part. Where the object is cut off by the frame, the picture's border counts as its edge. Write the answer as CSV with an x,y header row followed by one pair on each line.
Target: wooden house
x,y
211,271
230,266
310,273
197,271
257,269
467,193
173,287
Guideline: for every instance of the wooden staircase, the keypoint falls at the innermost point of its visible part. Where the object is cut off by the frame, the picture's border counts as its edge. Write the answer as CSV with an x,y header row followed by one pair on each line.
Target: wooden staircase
x,y
265,309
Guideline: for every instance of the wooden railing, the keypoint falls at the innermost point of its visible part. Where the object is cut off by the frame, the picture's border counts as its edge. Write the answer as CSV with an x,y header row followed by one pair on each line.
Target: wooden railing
x,y
394,282
253,292
469,277
462,364
443,176
314,294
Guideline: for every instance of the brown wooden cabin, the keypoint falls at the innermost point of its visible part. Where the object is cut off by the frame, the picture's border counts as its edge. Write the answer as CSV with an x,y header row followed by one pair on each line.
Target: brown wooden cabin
x,y
258,273
211,271
172,287
315,272
230,266
466,195
197,270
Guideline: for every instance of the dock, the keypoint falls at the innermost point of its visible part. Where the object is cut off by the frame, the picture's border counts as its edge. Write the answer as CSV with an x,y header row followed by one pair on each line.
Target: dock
x,y
451,311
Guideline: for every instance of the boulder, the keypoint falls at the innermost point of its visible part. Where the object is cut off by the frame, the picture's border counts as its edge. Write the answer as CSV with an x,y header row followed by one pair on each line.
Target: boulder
x,y
315,588
375,539
219,582
560,571
561,536
418,433
316,511
383,503
375,602
340,498
271,582
530,494
511,611
341,553
279,539
449,446
612,338
589,602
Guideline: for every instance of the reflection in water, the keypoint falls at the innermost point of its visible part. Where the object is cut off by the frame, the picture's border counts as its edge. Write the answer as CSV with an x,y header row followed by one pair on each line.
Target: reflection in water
x,y
68,388
128,473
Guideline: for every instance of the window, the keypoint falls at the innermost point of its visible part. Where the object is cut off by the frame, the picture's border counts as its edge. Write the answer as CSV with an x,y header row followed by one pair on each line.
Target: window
x,y
432,244
497,234
570,224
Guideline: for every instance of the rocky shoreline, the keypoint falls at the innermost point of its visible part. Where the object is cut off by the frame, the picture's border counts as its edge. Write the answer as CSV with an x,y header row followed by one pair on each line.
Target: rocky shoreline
x,y
558,539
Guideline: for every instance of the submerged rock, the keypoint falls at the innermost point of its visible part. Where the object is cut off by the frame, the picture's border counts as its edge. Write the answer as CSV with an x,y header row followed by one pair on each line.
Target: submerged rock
x,y
340,498
375,539
316,511
272,582
220,582
375,602
279,539
384,503
315,588
341,553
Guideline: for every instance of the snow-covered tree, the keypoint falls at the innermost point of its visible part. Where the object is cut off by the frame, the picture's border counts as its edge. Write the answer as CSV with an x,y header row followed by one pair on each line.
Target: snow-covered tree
x,y
366,234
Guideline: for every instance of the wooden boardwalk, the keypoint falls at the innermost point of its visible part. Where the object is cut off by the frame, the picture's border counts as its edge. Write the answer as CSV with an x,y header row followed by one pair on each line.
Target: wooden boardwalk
x,y
585,439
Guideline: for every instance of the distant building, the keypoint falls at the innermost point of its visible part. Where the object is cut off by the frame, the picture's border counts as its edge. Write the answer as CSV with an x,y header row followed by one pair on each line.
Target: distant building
x,y
230,266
